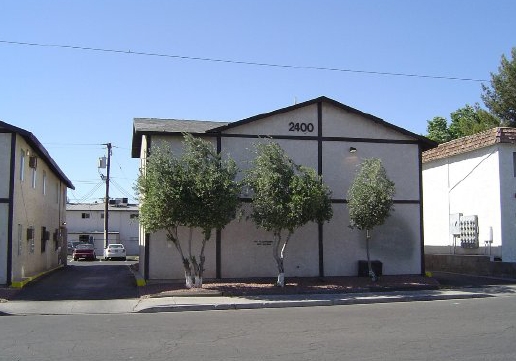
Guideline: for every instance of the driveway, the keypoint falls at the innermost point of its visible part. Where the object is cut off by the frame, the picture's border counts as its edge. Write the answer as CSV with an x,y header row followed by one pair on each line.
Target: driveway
x,y
455,280
83,280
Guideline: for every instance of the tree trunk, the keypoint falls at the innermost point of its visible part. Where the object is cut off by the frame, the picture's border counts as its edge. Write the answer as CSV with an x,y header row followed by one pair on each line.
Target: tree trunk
x,y
189,279
369,265
193,270
279,256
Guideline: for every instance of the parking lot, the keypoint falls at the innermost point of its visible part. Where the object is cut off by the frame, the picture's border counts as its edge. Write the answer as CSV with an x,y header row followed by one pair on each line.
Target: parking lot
x,y
84,280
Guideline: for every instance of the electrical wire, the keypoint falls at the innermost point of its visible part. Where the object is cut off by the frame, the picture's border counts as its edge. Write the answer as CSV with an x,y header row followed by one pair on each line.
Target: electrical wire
x,y
121,189
241,62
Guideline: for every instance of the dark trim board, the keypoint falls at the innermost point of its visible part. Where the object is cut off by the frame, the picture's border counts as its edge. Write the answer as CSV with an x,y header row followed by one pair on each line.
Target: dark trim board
x,y
320,229
218,254
4,200
289,137
421,225
146,256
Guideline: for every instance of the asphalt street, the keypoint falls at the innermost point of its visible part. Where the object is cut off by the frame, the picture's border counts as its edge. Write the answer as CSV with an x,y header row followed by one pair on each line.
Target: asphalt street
x,y
470,329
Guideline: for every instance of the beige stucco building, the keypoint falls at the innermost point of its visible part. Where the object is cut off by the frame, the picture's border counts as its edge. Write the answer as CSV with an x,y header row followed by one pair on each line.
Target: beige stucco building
x,y
331,138
32,207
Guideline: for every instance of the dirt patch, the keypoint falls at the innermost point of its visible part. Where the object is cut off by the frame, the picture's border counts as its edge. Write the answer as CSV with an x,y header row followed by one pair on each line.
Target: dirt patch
x,y
266,286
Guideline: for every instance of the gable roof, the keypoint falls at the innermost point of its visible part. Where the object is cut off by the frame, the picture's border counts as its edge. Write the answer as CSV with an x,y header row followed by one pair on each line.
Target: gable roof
x,y
427,143
149,126
39,149
470,143
162,126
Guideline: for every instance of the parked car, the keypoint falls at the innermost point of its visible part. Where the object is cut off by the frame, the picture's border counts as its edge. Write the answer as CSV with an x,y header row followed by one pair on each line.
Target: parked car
x,y
84,250
71,246
115,250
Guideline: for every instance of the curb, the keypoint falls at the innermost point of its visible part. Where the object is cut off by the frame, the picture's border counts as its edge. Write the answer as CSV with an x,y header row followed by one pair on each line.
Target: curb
x,y
363,300
23,283
138,278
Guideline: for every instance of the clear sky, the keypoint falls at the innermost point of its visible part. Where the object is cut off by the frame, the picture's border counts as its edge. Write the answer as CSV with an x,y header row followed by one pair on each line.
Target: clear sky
x,y
74,100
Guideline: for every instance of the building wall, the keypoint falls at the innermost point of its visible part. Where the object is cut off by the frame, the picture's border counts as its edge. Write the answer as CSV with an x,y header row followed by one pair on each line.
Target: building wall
x,y
32,208
4,216
395,243
119,221
507,171
466,183
341,123
5,165
166,262
247,252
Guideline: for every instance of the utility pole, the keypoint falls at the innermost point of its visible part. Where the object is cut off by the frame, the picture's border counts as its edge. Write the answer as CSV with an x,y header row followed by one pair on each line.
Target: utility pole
x,y
106,205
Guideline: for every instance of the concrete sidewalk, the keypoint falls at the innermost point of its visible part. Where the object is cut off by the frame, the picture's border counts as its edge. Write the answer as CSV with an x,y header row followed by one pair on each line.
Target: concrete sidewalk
x,y
176,304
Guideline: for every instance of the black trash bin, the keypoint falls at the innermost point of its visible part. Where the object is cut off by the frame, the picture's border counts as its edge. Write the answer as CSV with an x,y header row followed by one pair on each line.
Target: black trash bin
x,y
363,269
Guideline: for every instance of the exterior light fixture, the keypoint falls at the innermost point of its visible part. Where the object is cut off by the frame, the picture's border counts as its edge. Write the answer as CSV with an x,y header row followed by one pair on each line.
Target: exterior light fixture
x,y
352,149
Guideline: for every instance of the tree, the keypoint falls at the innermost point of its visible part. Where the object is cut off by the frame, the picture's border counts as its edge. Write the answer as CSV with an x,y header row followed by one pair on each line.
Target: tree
x,y
285,196
465,121
500,97
438,131
370,200
195,190
471,120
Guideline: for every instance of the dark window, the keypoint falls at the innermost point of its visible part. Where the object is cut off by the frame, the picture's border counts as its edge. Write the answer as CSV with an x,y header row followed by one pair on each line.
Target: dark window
x,y
43,239
84,238
514,163
85,215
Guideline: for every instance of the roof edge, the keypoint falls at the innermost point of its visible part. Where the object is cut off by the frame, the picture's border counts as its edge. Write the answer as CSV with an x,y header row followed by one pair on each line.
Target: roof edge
x,y
40,149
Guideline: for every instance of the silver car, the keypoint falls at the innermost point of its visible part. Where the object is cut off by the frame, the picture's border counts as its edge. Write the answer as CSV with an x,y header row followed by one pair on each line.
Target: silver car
x,y
115,250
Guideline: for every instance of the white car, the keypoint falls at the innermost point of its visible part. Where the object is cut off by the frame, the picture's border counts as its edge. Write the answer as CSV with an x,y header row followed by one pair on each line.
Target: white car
x,y
115,250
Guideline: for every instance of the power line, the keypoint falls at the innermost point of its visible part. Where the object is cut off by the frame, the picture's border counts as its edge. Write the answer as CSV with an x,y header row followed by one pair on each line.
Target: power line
x,y
240,62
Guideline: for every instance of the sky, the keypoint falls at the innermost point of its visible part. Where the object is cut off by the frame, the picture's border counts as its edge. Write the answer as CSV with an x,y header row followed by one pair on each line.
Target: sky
x,y
75,99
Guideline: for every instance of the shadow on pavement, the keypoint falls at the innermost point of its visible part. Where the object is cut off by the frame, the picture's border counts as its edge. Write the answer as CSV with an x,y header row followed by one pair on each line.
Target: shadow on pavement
x,y
485,284
82,281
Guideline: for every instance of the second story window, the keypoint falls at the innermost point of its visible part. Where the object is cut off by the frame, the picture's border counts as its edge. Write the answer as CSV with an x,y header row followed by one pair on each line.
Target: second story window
x,y
22,165
85,215
34,178
44,183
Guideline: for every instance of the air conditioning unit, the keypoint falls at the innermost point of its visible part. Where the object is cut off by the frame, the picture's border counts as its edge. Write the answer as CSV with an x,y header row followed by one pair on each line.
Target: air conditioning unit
x,y
33,162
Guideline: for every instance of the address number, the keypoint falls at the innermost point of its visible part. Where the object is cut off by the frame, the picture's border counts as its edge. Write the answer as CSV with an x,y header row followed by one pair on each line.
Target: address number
x,y
300,127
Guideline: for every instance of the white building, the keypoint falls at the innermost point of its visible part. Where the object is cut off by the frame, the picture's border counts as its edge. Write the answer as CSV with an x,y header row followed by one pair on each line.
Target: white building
x,y
472,176
32,207
85,222
320,134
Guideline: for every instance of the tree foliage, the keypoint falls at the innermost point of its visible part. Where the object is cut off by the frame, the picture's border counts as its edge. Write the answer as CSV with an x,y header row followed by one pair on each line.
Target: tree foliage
x,y
438,131
196,190
500,97
465,121
370,199
285,196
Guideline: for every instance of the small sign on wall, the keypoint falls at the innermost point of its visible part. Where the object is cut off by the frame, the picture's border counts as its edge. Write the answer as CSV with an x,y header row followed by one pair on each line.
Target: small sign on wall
x,y
261,242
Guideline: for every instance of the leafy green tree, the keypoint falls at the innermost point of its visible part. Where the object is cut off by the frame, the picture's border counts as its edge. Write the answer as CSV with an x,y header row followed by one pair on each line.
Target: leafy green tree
x,y
438,131
370,200
500,97
195,190
465,121
471,120
285,196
